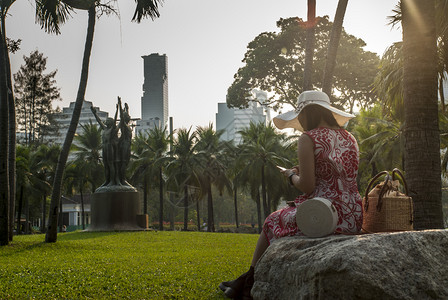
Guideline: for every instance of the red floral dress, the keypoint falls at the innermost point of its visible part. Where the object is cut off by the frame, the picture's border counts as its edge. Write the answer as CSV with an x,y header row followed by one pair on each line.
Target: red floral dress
x,y
336,156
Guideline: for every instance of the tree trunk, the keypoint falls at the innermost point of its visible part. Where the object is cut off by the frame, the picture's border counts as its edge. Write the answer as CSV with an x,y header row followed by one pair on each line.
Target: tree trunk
x,y
235,201
44,213
51,235
442,94
309,46
185,208
172,212
160,199
4,175
333,44
19,211
421,132
210,216
263,194
27,215
257,201
145,194
198,217
12,140
83,222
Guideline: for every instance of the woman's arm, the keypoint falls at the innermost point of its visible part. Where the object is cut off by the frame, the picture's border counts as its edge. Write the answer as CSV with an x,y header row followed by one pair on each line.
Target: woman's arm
x,y
305,181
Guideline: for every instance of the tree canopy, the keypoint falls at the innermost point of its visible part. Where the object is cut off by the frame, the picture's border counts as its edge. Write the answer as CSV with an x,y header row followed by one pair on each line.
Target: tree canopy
x,y
274,62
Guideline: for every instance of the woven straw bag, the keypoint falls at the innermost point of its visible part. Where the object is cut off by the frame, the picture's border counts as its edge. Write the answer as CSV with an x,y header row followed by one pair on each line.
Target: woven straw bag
x,y
385,208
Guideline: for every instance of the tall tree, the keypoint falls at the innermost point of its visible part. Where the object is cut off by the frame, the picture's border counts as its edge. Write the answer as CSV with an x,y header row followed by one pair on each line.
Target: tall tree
x,y
211,151
333,45
144,8
183,169
261,146
274,62
151,157
421,132
4,134
35,92
309,46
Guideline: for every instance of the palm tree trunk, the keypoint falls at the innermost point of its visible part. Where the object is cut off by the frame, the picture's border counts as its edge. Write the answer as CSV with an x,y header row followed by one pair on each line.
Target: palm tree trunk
x,y
236,204
210,216
82,209
333,44
198,217
421,132
19,210
52,235
4,188
263,194
145,194
160,199
185,207
257,201
442,94
309,46
27,215
44,212
12,140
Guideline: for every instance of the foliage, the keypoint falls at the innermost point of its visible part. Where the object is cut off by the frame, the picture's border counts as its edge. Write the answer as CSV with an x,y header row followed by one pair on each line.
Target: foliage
x,y
380,143
274,62
35,92
164,265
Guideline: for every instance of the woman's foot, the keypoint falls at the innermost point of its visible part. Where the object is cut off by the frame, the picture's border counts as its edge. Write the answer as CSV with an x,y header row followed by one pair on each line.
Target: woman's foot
x,y
240,287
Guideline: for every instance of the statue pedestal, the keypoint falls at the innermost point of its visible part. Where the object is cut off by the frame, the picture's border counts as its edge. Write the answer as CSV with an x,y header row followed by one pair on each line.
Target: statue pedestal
x,y
114,211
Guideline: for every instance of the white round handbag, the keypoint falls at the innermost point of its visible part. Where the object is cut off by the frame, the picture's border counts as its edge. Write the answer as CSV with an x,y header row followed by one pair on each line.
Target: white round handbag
x,y
317,217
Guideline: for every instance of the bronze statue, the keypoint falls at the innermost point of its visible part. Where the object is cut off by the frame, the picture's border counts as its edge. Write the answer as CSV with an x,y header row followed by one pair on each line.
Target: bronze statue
x,y
124,142
110,144
116,149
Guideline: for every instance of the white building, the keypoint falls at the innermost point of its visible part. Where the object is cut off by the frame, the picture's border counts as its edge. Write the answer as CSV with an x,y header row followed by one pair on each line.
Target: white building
x,y
63,120
71,211
232,120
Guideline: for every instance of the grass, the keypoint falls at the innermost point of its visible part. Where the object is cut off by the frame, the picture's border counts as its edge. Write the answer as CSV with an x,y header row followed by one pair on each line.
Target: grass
x,y
123,265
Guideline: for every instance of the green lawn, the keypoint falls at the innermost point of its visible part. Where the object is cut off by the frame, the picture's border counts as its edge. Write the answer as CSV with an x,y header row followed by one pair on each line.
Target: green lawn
x,y
131,265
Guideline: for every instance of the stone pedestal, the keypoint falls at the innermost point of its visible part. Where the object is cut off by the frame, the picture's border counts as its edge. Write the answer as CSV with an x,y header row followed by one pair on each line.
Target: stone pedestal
x,y
114,211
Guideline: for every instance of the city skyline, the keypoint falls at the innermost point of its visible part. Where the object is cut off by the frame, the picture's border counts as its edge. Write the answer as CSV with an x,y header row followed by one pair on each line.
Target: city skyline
x,y
205,41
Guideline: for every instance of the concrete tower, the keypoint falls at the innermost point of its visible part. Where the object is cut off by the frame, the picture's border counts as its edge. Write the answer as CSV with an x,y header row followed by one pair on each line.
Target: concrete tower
x,y
155,92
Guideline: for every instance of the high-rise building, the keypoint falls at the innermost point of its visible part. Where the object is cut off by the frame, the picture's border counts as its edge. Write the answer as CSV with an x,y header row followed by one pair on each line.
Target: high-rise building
x,y
232,120
64,118
155,92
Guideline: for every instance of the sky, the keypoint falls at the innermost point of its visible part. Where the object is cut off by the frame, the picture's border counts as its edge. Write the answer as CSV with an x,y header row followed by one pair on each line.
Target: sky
x,y
204,40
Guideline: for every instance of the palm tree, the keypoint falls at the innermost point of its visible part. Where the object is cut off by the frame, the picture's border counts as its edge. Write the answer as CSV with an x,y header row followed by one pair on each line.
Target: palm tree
x,y
150,151
86,170
309,47
233,170
87,148
144,8
260,150
211,152
421,131
333,47
43,164
183,169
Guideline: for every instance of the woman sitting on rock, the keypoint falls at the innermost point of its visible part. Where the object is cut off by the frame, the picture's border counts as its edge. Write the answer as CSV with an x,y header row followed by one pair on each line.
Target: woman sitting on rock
x,y
328,158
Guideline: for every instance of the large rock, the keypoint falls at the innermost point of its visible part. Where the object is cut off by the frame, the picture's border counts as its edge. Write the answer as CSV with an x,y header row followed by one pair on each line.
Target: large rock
x,y
405,265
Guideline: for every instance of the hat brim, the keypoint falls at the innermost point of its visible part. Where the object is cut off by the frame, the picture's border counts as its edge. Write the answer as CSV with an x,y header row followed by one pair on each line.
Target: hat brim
x,y
290,120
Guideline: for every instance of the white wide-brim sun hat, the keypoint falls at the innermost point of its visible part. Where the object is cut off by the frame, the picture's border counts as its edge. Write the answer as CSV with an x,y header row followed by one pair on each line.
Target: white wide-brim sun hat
x,y
290,120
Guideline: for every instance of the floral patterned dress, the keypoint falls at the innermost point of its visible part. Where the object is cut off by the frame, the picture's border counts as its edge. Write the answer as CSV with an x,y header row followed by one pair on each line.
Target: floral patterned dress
x,y
336,157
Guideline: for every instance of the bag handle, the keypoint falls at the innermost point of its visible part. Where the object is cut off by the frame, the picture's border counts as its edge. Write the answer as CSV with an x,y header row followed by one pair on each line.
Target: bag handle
x,y
397,171
372,181
406,191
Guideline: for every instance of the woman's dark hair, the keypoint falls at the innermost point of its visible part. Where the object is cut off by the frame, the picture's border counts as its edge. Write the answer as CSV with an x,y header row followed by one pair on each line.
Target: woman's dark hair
x,y
315,113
